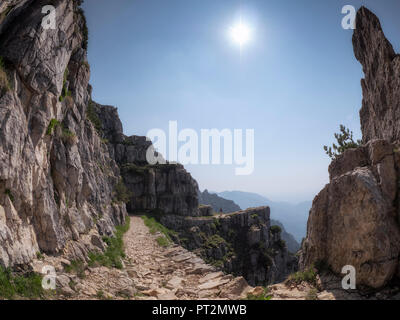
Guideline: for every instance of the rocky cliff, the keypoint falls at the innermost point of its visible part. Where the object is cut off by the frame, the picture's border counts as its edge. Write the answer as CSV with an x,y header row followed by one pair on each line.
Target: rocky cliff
x,y
241,243
54,197
228,206
355,219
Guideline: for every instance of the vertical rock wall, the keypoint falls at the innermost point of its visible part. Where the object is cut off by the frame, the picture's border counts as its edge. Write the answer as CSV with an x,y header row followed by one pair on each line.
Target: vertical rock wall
x,y
355,219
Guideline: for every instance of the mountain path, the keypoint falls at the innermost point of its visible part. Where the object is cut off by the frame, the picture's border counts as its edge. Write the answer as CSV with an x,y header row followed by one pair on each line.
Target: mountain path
x,y
153,272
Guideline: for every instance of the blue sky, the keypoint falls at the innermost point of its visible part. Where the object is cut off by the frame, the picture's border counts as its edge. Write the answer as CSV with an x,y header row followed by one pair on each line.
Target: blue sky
x,y
294,84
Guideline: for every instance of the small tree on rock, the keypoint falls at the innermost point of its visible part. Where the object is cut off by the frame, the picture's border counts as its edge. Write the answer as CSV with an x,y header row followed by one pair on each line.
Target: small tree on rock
x,y
344,141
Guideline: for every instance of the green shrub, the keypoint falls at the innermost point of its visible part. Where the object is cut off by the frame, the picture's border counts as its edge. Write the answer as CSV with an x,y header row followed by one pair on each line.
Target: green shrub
x,y
214,241
65,91
344,141
112,257
39,255
66,135
275,229
16,286
308,275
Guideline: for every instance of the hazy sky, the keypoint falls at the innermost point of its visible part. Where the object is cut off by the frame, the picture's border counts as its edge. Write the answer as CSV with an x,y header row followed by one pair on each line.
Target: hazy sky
x,y
294,84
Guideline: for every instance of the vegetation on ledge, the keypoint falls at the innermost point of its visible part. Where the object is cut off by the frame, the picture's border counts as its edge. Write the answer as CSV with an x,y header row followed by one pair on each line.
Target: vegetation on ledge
x,y
112,257
263,296
154,227
308,275
17,286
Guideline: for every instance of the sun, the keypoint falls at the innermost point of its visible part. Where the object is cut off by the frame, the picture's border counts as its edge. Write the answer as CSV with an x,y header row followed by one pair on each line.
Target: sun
x,y
240,34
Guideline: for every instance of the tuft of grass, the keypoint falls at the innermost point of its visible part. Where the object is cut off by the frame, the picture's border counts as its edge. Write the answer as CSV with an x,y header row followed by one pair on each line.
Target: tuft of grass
x,y
262,297
15,286
154,227
54,123
65,91
308,275
163,241
100,295
112,257
39,255
69,137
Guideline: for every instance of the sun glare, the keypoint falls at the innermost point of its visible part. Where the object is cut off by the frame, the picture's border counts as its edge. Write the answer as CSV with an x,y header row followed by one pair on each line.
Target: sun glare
x,y
240,34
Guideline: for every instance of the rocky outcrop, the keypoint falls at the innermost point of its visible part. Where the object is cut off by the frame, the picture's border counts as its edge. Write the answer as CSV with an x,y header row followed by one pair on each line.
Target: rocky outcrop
x,y
241,243
228,206
53,193
355,219
380,112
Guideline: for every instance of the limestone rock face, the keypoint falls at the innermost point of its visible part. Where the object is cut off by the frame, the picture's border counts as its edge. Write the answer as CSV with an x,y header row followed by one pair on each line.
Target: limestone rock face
x,y
241,243
52,189
380,112
355,219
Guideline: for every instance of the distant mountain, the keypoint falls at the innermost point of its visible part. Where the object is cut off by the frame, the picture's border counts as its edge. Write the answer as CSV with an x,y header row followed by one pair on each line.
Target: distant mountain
x,y
218,203
293,216
229,206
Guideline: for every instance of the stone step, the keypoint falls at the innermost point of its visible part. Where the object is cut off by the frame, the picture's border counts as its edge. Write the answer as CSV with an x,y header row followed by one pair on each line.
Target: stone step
x,y
211,276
